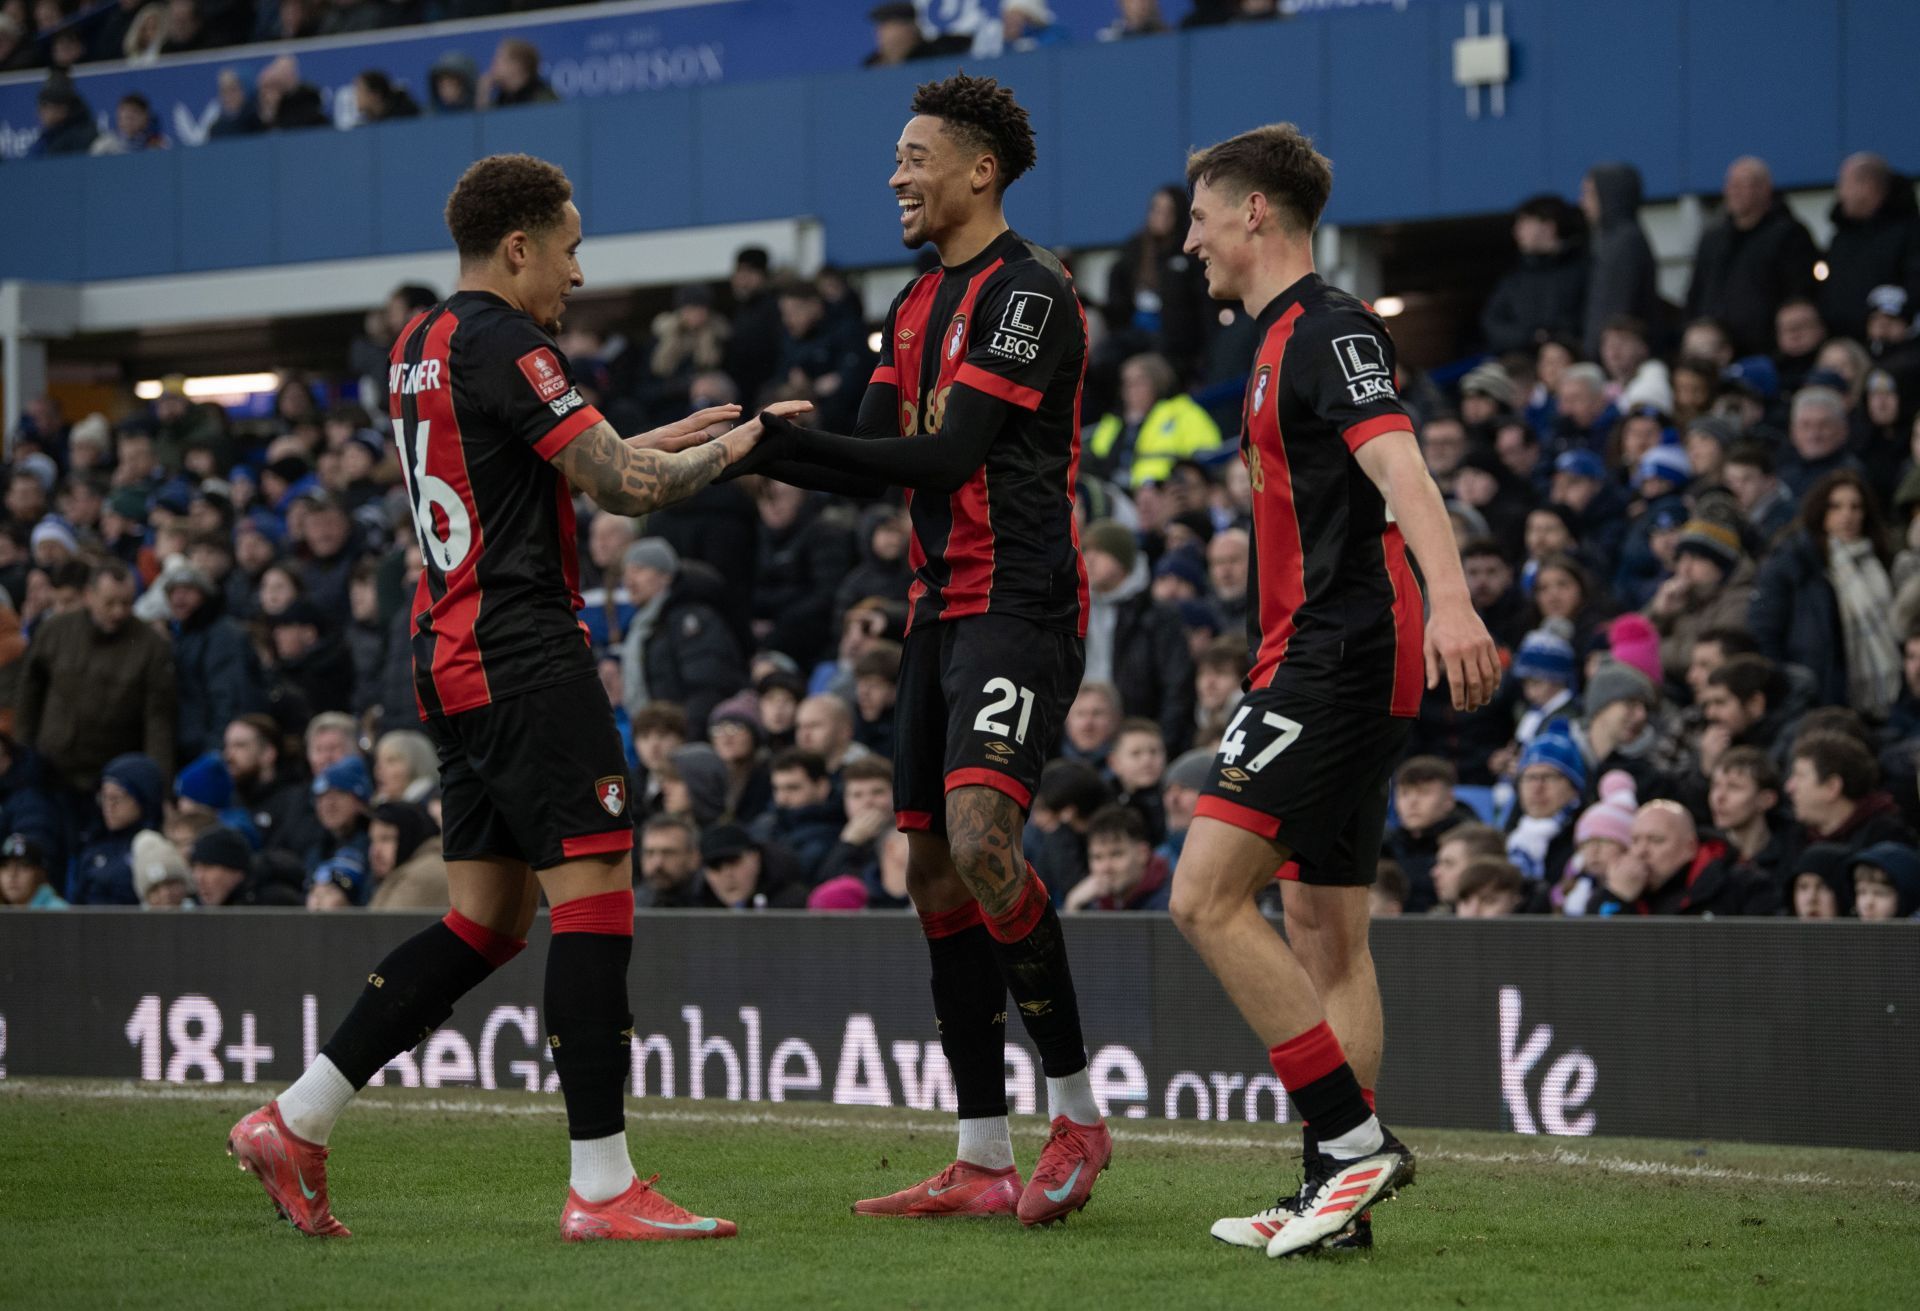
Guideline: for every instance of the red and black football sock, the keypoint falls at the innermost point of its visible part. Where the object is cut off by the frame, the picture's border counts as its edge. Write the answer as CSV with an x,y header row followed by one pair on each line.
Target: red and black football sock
x,y
970,1004
1032,952
1313,1068
589,1021
411,993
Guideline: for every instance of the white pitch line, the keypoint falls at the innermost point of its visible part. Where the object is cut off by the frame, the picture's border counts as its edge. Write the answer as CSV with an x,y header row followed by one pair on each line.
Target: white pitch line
x,y
1122,1130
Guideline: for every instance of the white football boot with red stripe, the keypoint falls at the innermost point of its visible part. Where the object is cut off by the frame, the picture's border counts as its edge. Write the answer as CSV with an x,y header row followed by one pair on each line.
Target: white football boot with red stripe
x,y
1324,1212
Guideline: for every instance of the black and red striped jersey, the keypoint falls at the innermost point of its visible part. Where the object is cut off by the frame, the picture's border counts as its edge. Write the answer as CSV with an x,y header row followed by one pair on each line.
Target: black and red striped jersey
x,y
1007,323
481,398
1339,617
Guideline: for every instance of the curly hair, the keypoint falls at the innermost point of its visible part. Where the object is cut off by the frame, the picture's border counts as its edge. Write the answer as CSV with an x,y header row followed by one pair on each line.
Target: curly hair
x,y
983,115
502,194
1279,162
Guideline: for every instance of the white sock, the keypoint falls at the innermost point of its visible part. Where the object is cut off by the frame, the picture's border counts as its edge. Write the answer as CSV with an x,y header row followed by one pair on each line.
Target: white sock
x,y
1073,1098
602,1170
1355,1143
315,1101
985,1142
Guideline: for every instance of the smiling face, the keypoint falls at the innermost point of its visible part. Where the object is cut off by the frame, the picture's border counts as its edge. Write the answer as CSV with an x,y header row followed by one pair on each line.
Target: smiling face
x,y
551,269
1219,233
937,180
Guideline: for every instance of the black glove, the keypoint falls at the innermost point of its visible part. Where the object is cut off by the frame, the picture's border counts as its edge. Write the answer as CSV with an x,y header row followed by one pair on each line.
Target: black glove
x,y
776,443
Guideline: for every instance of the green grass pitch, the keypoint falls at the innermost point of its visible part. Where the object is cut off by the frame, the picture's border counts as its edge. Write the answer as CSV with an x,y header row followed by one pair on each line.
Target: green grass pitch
x,y
118,1195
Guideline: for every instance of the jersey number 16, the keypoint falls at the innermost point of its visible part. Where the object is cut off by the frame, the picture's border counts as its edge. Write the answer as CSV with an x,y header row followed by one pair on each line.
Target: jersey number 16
x,y
424,493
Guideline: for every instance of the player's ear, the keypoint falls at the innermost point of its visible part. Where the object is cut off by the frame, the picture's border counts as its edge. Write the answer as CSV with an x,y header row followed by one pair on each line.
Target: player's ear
x,y
1255,210
986,170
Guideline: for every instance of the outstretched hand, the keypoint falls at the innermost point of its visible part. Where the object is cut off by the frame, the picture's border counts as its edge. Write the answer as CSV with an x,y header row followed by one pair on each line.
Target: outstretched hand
x,y
699,427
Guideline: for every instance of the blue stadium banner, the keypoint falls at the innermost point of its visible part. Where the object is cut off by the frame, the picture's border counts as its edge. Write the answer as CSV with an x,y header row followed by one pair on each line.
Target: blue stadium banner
x,y
618,48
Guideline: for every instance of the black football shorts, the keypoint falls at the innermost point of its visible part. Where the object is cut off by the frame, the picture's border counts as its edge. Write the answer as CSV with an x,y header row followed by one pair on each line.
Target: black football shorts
x,y
1312,777
982,702
539,777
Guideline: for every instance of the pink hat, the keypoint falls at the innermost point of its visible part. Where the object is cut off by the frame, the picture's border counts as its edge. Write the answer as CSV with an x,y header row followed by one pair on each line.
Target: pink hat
x,y
1635,642
1611,817
843,893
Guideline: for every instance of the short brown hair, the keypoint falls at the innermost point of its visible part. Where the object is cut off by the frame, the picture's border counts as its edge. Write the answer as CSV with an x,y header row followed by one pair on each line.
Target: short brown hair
x,y
502,194
1833,755
1754,763
868,769
1227,651
1115,821
1490,874
1137,724
793,758
881,660
1480,840
1279,162
660,717
1420,770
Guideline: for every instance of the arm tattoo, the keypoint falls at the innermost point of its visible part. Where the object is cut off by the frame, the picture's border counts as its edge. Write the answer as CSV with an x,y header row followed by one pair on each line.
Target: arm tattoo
x,y
626,480
983,832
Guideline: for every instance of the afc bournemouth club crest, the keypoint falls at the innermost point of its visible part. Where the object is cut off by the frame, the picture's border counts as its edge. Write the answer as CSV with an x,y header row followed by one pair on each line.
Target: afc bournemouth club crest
x,y
1260,381
956,336
612,793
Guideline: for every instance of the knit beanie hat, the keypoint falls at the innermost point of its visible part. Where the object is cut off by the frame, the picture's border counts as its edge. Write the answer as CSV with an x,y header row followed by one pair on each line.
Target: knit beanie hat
x,y
1634,641
1615,681
1113,538
1710,540
1554,749
1545,655
1610,818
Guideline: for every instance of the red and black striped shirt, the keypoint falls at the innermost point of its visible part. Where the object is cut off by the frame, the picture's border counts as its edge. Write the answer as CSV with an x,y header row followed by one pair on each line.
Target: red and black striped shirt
x,y
481,398
1007,323
1339,615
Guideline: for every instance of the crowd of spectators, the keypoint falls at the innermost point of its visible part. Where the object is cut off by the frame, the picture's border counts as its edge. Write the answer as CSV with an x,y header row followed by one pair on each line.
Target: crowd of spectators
x,y
1694,541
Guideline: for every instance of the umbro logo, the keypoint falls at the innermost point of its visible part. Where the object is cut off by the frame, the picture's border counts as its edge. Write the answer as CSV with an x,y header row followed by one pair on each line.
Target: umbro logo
x,y
1000,749
1038,1006
1234,774
906,334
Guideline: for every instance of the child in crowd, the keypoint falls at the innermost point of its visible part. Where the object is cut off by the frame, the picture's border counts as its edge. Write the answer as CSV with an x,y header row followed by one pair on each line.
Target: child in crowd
x,y
1886,882
1602,836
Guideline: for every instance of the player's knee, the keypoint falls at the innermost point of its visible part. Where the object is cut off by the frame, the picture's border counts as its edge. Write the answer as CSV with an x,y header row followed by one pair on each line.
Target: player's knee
x,y
1195,904
934,887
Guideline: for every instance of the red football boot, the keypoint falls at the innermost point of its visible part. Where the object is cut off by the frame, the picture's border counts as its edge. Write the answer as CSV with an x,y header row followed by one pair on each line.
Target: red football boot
x,y
1063,1177
637,1215
291,1169
962,1189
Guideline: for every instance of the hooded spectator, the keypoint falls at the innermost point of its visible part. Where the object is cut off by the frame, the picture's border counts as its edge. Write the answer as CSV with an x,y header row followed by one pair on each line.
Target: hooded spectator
x,y
694,783
1822,884
1620,279
404,858
131,794
740,874
451,81
1886,882
1755,256
883,570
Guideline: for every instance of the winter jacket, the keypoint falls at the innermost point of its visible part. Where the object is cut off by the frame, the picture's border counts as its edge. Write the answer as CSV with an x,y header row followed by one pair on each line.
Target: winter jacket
x,y
1714,884
321,679
1178,327
1795,616
1544,296
88,696
216,675
1620,280
1798,474
419,883
103,871
1726,608
1742,277
690,656
1153,892
281,813
1868,253
887,579
1639,571
808,833
1174,429
719,526
1153,667
799,570
1414,851
1876,819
